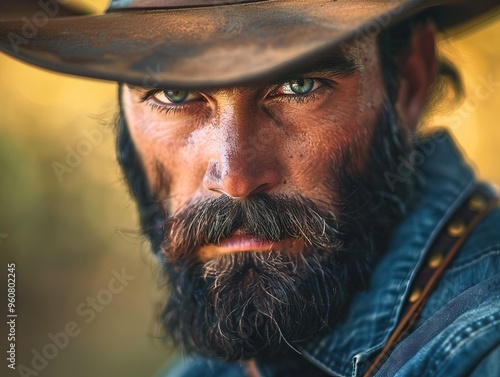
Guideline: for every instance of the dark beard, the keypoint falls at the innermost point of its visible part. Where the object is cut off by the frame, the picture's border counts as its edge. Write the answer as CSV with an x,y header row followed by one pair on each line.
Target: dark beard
x,y
256,304
264,304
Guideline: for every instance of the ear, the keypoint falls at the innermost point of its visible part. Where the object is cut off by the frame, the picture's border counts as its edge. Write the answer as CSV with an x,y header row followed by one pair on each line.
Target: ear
x,y
418,71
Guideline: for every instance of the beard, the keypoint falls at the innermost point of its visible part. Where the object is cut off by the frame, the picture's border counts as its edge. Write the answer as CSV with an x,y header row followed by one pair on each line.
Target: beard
x,y
264,305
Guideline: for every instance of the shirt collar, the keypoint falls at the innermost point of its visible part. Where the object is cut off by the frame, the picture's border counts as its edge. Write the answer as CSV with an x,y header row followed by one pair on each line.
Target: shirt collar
x,y
373,314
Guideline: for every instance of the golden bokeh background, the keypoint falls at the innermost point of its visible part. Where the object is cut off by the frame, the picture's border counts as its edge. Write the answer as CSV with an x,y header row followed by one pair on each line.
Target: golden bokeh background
x,y
68,233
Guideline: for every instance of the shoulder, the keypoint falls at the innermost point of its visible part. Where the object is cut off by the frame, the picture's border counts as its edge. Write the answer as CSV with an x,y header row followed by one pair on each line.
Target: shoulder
x,y
459,329
477,261
455,339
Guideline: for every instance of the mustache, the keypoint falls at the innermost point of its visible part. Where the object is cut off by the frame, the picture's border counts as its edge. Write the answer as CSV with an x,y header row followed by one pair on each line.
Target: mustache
x,y
266,217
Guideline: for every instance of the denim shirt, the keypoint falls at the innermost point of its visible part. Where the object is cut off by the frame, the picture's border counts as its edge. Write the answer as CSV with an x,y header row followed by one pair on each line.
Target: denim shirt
x,y
458,332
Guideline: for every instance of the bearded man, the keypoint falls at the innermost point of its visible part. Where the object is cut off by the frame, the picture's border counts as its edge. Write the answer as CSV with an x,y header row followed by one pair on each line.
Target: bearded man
x,y
303,224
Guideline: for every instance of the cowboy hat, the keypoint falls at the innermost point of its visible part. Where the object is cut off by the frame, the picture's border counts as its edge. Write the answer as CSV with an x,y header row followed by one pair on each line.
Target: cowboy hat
x,y
202,43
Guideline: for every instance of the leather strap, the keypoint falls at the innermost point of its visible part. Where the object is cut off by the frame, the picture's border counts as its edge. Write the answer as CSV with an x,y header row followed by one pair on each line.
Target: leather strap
x,y
443,250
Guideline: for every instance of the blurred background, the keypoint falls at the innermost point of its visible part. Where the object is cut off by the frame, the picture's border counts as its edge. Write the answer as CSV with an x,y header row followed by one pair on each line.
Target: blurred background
x,y
68,223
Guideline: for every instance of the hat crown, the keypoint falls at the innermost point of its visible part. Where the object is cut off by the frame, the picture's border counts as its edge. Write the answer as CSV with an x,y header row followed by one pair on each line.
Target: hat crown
x,y
166,4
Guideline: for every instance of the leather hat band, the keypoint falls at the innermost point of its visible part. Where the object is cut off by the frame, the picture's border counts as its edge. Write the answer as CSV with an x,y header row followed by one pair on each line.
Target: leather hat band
x,y
166,4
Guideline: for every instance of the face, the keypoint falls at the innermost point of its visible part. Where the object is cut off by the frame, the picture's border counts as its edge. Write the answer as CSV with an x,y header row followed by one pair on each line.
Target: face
x,y
275,138
262,199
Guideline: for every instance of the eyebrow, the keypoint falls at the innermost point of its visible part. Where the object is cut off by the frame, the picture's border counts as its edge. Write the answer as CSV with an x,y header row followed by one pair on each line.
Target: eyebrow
x,y
337,65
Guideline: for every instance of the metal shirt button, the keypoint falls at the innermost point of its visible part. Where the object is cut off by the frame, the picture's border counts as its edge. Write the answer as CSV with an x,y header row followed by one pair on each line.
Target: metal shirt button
x,y
456,228
477,203
435,260
415,295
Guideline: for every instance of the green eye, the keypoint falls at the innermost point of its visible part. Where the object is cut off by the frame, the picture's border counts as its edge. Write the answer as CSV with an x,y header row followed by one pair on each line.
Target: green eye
x,y
176,96
299,86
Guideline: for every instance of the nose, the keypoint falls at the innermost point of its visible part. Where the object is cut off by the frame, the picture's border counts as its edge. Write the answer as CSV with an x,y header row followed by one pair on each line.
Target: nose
x,y
246,159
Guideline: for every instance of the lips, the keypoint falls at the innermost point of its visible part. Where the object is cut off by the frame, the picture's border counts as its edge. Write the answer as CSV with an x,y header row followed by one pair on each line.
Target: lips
x,y
240,241
244,242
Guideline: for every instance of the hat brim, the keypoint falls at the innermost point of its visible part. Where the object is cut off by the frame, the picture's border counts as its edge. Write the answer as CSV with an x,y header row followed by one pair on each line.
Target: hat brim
x,y
211,46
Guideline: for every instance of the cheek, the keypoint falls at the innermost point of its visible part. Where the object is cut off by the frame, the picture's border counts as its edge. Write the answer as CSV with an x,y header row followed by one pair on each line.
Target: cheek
x,y
334,135
319,154
166,152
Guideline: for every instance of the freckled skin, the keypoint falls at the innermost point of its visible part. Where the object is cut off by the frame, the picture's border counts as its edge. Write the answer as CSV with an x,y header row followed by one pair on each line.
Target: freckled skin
x,y
245,140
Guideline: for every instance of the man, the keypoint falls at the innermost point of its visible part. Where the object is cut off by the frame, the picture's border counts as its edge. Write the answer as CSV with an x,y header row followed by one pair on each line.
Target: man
x,y
303,225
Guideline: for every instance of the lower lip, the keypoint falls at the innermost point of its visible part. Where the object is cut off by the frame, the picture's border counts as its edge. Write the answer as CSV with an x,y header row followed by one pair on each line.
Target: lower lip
x,y
238,243
242,243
